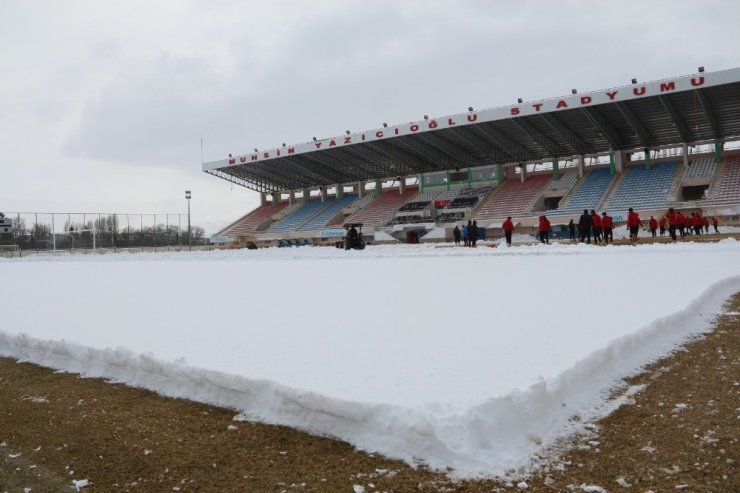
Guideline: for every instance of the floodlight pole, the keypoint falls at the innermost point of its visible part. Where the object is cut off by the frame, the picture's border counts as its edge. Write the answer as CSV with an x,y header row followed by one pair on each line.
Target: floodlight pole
x,y
190,236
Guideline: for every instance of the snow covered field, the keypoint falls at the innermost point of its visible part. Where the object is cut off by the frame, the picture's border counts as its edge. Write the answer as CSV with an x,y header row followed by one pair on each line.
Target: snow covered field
x,y
465,358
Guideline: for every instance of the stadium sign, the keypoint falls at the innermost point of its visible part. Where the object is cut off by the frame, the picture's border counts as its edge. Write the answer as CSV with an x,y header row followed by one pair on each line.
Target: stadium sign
x,y
332,233
625,93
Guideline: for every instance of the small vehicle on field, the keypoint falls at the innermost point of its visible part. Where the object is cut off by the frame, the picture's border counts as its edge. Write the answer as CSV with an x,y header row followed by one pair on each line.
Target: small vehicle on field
x,y
354,240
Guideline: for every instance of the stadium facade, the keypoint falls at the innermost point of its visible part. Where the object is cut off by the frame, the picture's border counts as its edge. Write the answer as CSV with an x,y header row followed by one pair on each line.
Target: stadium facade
x,y
654,145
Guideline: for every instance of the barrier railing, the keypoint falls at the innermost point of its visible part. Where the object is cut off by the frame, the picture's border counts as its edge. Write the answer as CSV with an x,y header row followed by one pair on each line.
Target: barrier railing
x,y
98,232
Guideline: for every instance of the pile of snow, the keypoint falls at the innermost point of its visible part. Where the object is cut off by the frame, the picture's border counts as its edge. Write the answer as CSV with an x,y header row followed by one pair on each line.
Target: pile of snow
x,y
382,236
466,358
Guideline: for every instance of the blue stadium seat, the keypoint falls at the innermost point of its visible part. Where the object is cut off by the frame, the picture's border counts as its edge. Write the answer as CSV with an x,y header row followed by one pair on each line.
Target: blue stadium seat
x,y
301,215
589,194
332,209
644,189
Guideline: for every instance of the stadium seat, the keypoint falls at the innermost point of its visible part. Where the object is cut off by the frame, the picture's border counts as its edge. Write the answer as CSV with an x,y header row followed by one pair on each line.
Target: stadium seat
x,y
589,194
333,208
292,221
729,188
701,167
644,189
248,224
513,198
382,207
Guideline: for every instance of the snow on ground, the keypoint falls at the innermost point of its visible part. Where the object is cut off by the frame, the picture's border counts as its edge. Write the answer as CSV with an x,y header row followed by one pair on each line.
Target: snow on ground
x,y
466,358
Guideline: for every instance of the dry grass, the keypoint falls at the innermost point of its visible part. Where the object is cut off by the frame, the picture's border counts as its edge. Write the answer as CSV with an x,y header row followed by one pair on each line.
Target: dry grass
x,y
679,434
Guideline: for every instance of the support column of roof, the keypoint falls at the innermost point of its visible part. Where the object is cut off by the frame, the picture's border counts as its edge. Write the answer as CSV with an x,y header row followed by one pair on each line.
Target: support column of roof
x,y
580,165
618,157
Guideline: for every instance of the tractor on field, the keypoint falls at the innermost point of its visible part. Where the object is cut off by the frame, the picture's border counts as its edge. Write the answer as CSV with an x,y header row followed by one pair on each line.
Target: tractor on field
x,y
354,240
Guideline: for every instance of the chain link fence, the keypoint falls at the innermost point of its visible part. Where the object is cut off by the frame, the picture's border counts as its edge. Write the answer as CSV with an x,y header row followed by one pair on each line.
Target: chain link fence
x,y
98,232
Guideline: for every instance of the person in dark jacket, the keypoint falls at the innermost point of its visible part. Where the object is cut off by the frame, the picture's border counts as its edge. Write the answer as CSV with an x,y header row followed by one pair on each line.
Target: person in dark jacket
x,y
572,230
457,235
473,234
596,226
584,226
672,218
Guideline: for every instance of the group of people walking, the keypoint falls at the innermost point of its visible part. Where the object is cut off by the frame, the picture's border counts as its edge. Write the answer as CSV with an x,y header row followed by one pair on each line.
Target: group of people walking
x,y
590,224
599,228
543,230
685,225
469,234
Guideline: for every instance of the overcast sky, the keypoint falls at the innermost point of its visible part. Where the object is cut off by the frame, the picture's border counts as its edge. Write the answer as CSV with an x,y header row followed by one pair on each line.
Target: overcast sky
x,y
103,104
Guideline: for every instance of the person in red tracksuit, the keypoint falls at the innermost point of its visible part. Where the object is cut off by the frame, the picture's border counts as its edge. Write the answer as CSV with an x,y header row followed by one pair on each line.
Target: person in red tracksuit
x,y
715,223
661,225
508,227
634,223
681,223
544,229
607,226
653,225
697,223
672,218
705,223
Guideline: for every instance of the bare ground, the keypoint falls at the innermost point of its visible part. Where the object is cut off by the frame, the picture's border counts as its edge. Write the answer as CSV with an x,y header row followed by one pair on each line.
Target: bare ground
x,y
679,434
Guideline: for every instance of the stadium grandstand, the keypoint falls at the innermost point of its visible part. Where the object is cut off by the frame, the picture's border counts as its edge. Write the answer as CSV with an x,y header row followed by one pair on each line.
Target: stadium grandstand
x,y
650,146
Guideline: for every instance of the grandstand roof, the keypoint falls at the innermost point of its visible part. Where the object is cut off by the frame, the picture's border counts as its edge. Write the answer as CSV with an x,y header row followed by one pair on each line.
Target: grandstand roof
x,y
690,109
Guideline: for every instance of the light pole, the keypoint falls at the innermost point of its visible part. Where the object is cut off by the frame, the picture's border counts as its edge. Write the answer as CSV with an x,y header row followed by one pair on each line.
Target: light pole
x,y
190,236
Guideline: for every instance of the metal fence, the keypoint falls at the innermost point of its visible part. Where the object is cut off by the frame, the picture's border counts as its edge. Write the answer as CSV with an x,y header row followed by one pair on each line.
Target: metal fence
x,y
98,232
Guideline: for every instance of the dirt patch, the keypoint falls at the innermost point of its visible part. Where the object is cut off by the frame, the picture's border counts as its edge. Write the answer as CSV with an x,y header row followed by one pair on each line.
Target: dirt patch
x,y
679,433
